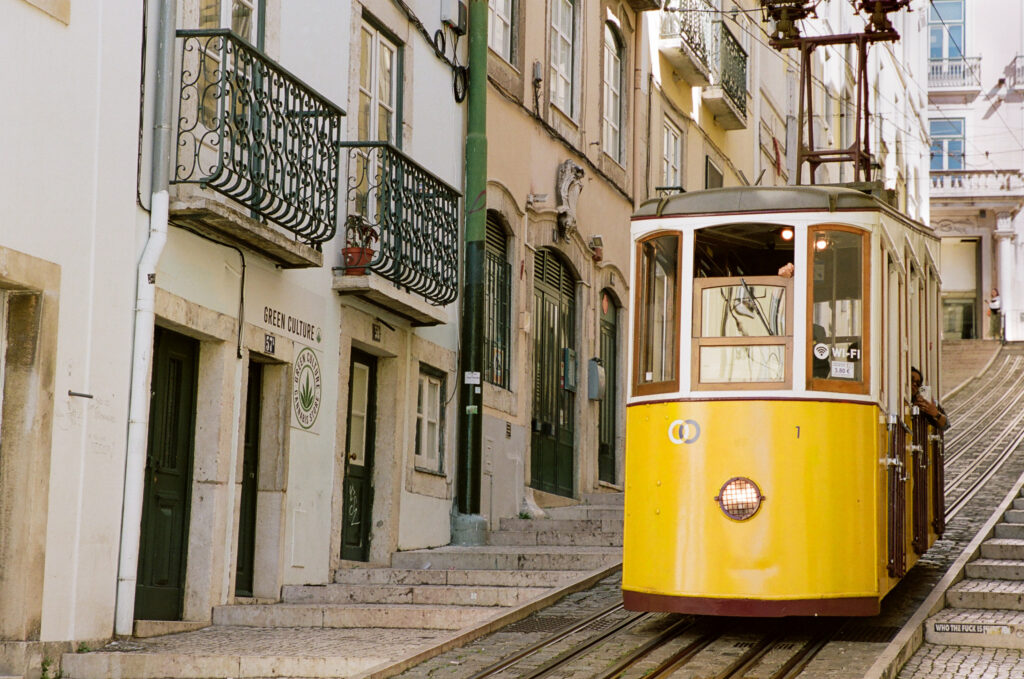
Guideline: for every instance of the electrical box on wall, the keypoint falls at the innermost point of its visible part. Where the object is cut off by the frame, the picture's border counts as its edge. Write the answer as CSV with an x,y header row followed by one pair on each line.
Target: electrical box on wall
x,y
569,380
454,14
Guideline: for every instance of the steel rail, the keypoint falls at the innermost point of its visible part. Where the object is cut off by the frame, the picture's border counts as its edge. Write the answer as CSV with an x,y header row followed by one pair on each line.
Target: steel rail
x,y
572,628
979,421
651,645
560,660
956,506
980,392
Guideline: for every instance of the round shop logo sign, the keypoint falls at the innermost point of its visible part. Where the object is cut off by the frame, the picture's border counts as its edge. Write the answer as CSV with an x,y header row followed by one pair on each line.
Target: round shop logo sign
x,y
306,388
821,351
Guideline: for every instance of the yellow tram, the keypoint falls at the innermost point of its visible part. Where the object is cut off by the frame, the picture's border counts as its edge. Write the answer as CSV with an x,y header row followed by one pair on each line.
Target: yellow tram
x,y
775,464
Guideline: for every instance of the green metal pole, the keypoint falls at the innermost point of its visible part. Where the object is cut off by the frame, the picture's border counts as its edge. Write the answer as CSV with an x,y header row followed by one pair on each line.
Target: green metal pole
x,y
471,401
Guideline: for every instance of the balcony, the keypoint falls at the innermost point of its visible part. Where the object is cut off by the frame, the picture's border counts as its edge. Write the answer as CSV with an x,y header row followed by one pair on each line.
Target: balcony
x,y
1017,73
686,39
992,189
410,220
257,157
726,97
955,74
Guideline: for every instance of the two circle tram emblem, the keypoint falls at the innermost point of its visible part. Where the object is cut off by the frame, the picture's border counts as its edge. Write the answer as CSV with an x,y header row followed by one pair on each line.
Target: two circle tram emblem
x,y
683,431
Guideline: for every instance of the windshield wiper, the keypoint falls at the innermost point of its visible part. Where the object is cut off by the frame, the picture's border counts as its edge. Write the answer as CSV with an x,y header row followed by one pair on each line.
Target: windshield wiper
x,y
757,307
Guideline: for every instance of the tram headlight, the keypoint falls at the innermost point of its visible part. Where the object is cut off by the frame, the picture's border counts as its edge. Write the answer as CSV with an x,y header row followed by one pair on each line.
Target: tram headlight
x,y
739,498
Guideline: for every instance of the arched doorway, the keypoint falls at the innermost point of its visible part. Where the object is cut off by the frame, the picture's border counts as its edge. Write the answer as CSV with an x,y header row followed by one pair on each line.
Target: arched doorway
x,y
554,370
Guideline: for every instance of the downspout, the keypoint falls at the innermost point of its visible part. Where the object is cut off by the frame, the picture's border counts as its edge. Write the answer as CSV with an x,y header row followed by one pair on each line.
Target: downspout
x,y
142,346
467,525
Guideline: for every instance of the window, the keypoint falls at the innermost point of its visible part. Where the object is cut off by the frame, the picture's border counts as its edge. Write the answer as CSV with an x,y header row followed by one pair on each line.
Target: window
x,y
713,178
946,29
611,125
378,86
837,360
499,27
672,157
245,19
430,422
947,149
563,53
742,328
657,322
497,303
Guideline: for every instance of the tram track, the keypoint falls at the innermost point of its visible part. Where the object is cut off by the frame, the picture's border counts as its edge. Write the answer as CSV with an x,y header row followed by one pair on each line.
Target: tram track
x,y
683,641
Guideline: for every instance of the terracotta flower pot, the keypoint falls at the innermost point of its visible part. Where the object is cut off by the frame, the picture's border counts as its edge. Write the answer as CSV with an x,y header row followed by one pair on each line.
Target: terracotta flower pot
x,y
356,260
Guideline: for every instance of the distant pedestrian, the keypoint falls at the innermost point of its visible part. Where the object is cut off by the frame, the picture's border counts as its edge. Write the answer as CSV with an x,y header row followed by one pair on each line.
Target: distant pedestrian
x,y
995,314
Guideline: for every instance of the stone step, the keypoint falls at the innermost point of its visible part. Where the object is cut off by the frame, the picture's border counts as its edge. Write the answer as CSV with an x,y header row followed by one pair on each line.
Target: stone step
x,y
1002,548
533,537
585,512
500,557
1012,531
563,525
996,569
353,615
1014,516
190,666
487,578
987,594
1018,503
616,499
976,627
428,595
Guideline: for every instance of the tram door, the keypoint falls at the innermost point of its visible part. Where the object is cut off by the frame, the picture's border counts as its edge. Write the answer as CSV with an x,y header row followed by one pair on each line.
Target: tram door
x,y
609,359
554,371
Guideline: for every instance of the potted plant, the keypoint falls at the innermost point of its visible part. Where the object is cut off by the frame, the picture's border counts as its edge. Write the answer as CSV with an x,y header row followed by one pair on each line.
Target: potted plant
x,y
359,238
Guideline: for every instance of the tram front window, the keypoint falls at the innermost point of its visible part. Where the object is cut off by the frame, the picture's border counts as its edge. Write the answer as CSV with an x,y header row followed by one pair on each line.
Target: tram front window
x,y
837,357
742,327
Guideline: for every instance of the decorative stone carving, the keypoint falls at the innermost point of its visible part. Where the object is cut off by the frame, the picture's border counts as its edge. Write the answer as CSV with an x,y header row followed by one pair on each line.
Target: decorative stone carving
x,y
960,226
567,189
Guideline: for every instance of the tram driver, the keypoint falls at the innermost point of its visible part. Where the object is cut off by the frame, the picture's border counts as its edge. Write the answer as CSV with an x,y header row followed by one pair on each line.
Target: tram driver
x,y
919,397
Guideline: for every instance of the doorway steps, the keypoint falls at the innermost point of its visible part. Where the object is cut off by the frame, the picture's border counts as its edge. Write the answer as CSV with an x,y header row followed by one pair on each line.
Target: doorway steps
x,y
375,621
986,608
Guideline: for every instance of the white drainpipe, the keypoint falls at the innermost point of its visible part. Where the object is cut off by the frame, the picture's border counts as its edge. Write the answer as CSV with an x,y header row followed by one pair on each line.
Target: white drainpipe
x,y
142,346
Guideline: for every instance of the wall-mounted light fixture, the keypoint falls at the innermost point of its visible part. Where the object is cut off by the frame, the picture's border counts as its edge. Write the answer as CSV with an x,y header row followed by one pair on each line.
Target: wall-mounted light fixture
x,y
597,247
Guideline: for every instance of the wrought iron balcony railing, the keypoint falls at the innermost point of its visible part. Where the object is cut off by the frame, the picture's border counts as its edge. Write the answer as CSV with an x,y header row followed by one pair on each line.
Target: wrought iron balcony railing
x,y
689,20
409,217
961,72
730,66
1017,72
252,131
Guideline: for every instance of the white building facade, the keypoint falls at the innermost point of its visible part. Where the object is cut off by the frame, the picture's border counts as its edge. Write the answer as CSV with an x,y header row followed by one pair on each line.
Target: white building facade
x,y
976,120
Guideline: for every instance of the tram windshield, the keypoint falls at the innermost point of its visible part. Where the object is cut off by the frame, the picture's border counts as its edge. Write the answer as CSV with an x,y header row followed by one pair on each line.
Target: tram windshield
x,y
742,330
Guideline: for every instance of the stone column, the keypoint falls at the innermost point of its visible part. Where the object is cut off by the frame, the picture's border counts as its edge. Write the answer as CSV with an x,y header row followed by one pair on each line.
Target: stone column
x,y
1005,265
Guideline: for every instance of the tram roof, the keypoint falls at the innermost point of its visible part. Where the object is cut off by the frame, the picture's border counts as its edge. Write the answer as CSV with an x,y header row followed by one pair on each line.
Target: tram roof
x,y
762,199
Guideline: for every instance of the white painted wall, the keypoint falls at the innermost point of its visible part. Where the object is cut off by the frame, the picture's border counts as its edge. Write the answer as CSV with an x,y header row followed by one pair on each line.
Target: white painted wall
x,y
69,136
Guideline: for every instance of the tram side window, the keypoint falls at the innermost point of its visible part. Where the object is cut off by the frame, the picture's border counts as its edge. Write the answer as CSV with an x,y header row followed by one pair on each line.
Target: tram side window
x,y
838,353
657,315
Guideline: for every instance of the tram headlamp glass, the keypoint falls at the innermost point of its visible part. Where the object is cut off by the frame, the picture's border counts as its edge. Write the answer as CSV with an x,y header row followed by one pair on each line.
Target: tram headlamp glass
x,y
740,498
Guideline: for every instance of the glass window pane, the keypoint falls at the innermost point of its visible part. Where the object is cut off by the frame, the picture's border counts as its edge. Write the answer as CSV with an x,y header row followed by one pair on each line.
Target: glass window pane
x,y
241,19
760,363
659,285
837,315
365,60
956,41
209,13
743,311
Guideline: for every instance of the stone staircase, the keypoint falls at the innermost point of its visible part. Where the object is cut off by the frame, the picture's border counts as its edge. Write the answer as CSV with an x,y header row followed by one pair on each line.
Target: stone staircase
x,y
963,360
986,608
370,617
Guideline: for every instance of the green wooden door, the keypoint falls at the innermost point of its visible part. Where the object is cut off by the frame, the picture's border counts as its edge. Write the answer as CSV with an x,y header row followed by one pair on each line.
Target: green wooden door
x,y
357,490
606,414
160,587
250,472
554,313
